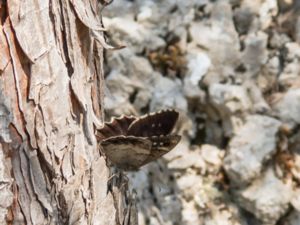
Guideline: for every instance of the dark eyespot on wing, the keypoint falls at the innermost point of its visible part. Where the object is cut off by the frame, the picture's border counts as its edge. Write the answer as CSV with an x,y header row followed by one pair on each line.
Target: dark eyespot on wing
x,y
127,153
156,124
161,146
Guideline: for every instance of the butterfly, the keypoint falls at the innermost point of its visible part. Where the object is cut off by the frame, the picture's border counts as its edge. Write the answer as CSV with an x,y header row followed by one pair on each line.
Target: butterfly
x,y
129,142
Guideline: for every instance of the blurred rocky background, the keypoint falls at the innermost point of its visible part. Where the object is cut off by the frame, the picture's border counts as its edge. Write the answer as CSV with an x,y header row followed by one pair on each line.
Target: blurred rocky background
x,y
232,70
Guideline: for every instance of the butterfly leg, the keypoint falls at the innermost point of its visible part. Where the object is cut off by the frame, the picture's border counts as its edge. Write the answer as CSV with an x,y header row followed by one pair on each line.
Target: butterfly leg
x,y
131,213
125,200
117,178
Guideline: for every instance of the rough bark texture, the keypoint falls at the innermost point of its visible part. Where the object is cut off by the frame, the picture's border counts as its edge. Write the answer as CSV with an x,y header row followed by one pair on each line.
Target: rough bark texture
x,y
51,100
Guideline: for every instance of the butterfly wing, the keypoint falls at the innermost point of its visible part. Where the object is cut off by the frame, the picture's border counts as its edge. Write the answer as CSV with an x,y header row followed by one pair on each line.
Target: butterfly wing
x,y
117,127
126,152
161,146
155,124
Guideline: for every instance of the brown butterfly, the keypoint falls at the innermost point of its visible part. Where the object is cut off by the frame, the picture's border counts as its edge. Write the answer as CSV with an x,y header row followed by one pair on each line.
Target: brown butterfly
x,y
129,142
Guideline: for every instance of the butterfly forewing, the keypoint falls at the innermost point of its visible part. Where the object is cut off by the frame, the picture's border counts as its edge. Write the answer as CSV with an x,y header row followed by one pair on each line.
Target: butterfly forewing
x,y
156,124
117,127
127,153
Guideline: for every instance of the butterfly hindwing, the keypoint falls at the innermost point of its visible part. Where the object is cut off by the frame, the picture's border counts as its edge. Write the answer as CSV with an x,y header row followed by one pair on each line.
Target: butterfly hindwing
x,y
162,145
127,152
155,124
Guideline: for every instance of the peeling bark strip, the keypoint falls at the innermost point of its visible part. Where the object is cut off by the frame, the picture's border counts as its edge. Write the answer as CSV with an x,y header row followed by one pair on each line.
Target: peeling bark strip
x,y
51,99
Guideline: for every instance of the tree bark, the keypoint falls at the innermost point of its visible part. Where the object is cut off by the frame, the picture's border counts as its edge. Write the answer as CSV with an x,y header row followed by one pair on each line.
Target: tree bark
x,y
51,101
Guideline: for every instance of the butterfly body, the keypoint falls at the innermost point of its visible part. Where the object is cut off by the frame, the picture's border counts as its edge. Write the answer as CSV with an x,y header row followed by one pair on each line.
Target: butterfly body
x,y
130,142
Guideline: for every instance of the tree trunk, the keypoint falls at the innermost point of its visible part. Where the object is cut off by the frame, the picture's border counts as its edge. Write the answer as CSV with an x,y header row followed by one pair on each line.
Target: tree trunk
x,y
51,101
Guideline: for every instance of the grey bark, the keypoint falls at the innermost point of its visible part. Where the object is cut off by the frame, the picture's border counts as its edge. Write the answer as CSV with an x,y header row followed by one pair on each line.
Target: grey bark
x,y
51,101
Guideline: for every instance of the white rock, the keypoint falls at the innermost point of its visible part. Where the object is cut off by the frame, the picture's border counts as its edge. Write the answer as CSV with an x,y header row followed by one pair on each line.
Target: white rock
x,y
142,99
121,87
296,200
212,154
290,74
154,221
221,40
256,95
182,157
224,214
193,92
198,65
170,209
269,74
133,34
288,107
120,9
189,182
180,150
139,181
229,99
278,40
189,160
141,218
267,11
190,214
167,93
255,54
139,68
254,5
127,62
267,197
254,143
206,193
145,13
293,51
